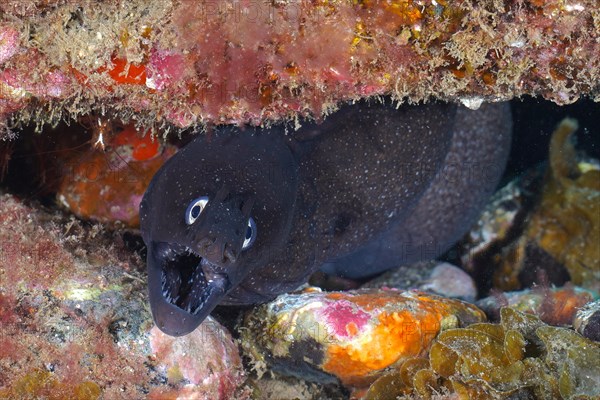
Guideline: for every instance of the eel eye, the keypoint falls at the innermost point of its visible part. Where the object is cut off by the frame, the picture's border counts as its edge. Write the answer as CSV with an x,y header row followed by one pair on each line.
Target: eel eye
x,y
250,235
194,209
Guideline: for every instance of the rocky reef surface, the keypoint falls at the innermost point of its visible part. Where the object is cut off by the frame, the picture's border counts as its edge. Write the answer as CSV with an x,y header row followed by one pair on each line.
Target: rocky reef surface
x,y
556,239
182,63
75,324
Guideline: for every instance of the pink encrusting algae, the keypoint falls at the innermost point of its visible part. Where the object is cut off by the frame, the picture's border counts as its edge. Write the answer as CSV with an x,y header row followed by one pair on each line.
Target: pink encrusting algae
x,y
345,319
9,43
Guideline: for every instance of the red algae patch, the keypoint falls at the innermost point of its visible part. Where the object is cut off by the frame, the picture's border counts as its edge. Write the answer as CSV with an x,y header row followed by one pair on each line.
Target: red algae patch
x,y
554,306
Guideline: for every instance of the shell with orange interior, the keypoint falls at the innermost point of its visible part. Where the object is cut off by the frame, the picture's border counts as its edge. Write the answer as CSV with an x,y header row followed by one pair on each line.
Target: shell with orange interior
x,y
353,336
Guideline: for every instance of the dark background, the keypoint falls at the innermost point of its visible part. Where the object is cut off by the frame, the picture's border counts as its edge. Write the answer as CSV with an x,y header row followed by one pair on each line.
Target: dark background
x,y
534,122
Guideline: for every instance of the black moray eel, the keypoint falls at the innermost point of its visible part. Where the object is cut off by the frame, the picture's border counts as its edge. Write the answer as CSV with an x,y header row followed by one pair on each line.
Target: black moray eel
x,y
240,216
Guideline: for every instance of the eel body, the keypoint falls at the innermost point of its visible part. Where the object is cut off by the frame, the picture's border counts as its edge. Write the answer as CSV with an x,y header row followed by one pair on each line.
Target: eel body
x,y
241,216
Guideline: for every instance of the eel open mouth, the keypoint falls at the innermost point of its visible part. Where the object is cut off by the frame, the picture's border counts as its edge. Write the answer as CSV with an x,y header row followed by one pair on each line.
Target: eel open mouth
x,y
183,286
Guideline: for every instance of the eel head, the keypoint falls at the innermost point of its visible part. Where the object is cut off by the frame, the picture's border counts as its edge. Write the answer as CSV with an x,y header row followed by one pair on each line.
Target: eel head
x,y
215,212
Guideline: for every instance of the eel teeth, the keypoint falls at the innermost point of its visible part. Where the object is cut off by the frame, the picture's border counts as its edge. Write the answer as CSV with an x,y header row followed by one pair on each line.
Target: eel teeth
x,y
184,283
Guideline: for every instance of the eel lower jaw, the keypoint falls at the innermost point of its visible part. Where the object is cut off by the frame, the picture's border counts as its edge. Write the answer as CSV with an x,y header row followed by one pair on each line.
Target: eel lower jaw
x,y
183,287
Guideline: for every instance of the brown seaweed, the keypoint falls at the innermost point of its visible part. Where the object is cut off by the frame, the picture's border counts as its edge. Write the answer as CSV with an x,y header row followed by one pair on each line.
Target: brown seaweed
x,y
519,358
